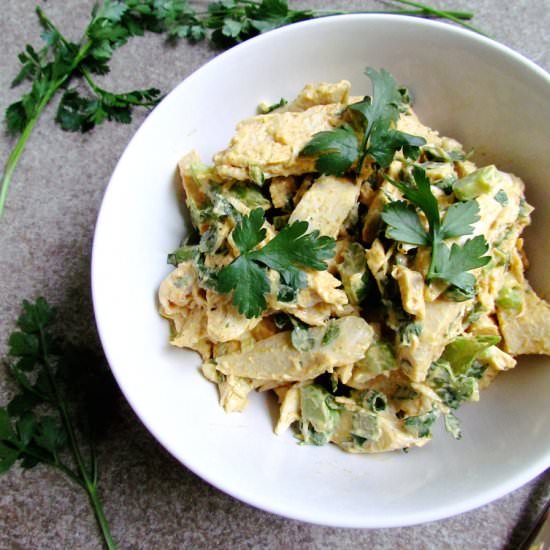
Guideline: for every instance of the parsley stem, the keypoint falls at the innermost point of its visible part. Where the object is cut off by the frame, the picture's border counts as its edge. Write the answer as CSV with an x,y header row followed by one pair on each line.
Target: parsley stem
x,y
88,484
363,151
462,15
436,243
100,516
16,152
440,13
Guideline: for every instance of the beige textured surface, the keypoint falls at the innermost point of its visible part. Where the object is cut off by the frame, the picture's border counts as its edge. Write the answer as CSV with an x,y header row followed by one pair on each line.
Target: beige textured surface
x,y
45,241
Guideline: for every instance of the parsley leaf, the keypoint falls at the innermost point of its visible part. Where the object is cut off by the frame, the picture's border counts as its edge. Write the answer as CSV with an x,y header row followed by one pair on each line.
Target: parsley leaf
x,y
77,113
448,264
421,195
373,119
451,264
404,224
249,232
336,150
37,425
383,107
459,219
113,22
249,283
287,253
294,246
384,143
380,113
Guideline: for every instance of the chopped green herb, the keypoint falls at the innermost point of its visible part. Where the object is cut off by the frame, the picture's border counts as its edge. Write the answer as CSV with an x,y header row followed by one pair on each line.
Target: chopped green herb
x,y
408,331
501,197
455,387
448,264
331,333
266,108
452,425
374,401
289,251
421,425
301,339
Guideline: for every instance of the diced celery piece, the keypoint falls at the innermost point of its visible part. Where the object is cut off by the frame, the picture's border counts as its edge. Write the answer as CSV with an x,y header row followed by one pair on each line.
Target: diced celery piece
x,y
379,358
365,424
461,352
477,183
353,272
251,196
315,409
510,298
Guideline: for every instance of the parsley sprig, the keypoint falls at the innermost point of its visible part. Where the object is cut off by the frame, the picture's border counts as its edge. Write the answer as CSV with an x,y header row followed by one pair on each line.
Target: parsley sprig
x,y
372,120
59,62
287,253
53,68
447,264
39,425
233,21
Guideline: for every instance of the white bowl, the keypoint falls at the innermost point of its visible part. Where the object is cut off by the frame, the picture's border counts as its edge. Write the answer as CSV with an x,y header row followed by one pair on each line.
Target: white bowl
x,y
467,87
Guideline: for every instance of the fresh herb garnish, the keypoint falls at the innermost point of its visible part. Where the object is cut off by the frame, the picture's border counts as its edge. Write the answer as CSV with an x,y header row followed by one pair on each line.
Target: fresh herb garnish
x,y
448,264
336,150
421,425
289,251
60,62
113,22
39,425
371,133
452,425
233,21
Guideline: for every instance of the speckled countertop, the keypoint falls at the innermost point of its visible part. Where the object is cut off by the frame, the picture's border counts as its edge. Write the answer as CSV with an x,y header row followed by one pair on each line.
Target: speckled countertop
x,y
45,242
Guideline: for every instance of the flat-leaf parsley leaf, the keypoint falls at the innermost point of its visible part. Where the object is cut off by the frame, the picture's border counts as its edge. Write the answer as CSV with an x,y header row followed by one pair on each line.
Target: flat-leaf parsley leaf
x,y
288,253
405,225
371,133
